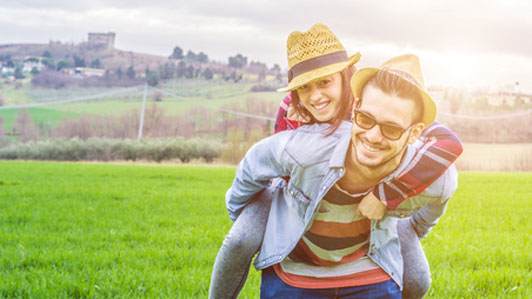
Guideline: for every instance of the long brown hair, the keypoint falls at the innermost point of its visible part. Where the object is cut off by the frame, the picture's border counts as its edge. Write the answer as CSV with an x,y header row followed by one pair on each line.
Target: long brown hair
x,y
343,110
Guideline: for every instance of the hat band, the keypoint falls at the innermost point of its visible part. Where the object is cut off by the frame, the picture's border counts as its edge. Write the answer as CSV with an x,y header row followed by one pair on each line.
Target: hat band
x,y
405,76
316,62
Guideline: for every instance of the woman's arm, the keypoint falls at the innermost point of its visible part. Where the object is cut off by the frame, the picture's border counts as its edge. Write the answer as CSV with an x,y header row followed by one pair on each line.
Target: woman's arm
x,y
283,121
262,163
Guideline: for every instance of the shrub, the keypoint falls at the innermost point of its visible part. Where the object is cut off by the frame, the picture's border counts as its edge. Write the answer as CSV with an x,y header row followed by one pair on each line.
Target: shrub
x,y
107,149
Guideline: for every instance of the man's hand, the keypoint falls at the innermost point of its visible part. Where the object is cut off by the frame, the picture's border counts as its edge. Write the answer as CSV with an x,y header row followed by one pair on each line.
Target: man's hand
x,y
292,114
371,207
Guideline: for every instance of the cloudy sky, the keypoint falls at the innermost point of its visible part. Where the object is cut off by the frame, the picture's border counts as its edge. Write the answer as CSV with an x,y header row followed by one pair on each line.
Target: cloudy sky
x,y
471,43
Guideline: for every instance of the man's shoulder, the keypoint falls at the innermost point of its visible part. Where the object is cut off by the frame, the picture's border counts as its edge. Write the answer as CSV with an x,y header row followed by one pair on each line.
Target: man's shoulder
x,y
444,186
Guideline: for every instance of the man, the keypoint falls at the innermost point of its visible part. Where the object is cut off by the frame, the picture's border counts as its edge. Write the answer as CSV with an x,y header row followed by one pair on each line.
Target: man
x,y
317,242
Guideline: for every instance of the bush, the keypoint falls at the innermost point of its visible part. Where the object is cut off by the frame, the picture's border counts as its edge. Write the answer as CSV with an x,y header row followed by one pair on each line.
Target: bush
x,y
107,149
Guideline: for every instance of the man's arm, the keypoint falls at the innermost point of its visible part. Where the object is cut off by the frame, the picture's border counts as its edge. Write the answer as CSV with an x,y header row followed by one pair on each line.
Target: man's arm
x,y
441,148
261,163
427,217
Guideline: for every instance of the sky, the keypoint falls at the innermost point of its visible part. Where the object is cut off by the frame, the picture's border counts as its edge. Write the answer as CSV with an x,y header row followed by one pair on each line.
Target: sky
x,y
471,44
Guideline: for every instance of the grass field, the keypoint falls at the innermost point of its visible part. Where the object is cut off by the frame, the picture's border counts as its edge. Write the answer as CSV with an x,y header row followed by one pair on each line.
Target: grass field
x,y
129,231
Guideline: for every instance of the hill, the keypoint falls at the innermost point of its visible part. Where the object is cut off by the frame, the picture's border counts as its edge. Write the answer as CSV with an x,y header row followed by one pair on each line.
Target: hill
x,y
110,59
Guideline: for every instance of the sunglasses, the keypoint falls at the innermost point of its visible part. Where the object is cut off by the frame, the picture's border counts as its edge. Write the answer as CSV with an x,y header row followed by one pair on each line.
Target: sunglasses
x,y
366,122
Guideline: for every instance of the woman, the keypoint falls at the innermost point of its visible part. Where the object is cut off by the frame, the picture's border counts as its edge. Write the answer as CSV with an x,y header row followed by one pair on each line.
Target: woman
x,y
319,84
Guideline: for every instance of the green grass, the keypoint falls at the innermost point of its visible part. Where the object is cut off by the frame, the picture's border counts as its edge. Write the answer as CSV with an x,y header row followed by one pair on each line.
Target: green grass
x,y
49,117
130,231
171,105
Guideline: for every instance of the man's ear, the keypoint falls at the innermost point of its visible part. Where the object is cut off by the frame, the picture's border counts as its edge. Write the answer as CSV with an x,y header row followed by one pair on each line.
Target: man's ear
x,y
416,132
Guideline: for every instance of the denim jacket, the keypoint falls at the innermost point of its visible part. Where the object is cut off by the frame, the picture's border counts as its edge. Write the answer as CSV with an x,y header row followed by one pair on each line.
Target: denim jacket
x,y
315,162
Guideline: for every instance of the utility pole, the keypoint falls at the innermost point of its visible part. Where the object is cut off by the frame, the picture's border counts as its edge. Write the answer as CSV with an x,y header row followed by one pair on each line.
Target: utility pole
x,y
141,123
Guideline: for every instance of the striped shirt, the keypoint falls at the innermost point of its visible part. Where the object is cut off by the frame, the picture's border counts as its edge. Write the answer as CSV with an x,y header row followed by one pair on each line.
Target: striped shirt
x,y
442,147
332,253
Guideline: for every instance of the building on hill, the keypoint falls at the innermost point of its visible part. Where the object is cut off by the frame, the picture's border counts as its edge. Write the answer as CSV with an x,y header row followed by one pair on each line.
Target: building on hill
x,y
31,62
104,40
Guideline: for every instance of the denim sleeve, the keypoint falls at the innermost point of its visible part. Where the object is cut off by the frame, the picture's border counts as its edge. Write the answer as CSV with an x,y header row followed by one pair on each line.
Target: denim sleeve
x,y
428,216
262,163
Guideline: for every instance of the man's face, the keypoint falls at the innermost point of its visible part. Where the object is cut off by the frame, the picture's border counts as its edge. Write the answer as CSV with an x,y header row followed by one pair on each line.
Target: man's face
x,y
370,147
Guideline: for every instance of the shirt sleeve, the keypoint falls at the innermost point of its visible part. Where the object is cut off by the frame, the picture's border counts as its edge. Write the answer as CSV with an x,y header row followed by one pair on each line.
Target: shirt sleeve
x,y
441,148
262,163
282,123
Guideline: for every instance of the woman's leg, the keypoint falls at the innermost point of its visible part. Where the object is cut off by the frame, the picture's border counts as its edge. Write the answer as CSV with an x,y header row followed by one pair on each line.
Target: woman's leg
x,y
232,263
416,275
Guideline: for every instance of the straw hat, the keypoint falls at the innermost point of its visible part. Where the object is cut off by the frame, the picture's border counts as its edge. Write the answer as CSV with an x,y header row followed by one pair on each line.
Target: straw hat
x,y
314,54
405,66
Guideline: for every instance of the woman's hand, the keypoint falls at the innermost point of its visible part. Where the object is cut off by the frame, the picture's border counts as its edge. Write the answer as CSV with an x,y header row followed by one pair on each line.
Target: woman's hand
x,y
371,207
292,114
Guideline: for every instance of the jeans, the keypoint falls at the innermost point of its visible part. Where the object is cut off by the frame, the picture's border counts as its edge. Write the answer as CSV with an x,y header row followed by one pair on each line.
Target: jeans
x,y
232,263
273,287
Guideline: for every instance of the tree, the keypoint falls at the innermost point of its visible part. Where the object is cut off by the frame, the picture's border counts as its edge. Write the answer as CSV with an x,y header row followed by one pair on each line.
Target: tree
x,y
181,69
208,74
276,69
202,57
96,63
63,64
166,71
153,79
238,61
119,73
18,73
79,61
49,63
191,56
34,71
189,72
46,54
177,54
130,72
25,127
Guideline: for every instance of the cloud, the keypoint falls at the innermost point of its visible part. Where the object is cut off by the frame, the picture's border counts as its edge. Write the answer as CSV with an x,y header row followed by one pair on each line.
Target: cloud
x,y
497,31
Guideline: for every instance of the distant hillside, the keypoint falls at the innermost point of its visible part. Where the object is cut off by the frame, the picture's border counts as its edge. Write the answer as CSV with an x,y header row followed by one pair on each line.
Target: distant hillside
x,y
110,59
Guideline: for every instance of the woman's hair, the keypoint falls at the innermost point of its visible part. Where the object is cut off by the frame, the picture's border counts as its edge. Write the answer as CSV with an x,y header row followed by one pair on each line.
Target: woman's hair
x,y
394,85
344,108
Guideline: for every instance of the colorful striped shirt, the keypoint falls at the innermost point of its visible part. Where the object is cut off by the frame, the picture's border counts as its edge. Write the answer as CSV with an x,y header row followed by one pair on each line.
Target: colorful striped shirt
x,y
441,148
332,253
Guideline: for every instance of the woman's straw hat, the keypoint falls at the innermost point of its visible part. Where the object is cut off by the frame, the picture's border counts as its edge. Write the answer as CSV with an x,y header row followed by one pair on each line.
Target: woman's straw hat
x,y
406,67
314,54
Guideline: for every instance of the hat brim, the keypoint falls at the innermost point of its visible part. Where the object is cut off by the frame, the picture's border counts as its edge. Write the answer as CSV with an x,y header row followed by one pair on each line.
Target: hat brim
x,y
361,77
319,72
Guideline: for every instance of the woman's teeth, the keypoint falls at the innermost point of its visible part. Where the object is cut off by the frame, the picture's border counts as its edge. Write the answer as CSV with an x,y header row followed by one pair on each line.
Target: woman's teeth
x,y
321,106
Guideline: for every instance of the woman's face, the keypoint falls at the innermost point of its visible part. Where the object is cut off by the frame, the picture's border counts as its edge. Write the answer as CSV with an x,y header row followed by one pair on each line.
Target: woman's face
x,y
321,97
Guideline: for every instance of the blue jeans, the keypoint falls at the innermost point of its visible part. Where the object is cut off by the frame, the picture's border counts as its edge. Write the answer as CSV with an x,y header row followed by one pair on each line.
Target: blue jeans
x,y
273,287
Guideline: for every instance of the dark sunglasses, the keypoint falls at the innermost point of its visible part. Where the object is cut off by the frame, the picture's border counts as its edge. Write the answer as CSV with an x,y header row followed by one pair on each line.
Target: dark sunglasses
x,y
366,122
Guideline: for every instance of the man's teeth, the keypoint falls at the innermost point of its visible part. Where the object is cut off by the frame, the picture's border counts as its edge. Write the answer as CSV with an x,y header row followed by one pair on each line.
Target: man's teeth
x,y
320,106
370,148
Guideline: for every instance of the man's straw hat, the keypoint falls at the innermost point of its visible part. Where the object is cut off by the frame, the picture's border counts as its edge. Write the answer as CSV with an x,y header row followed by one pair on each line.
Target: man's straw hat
x,y
314,54
406,67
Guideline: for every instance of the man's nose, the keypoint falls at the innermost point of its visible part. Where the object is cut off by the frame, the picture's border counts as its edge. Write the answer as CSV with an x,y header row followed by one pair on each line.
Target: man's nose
x,y
374,135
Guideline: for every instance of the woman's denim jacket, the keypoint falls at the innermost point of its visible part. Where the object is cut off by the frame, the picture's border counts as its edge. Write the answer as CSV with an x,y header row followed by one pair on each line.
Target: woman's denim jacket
x,y
314,164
